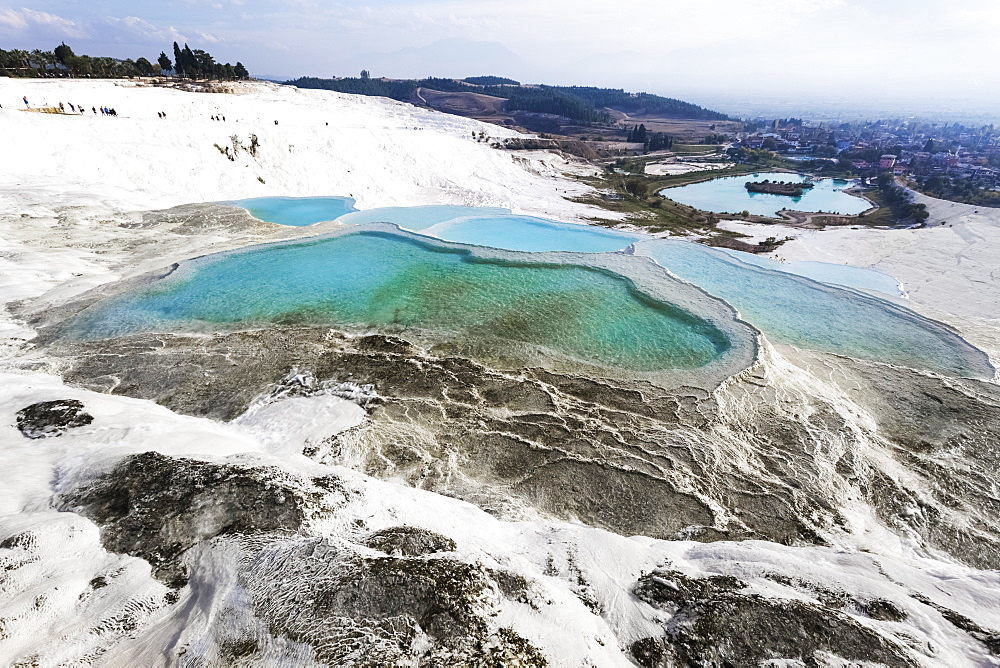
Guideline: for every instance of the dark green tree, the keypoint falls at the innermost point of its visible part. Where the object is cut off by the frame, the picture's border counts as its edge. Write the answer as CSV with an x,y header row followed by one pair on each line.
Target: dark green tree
x,y
240,71
63,53
144,67
178,60
204,62
164,61
190,63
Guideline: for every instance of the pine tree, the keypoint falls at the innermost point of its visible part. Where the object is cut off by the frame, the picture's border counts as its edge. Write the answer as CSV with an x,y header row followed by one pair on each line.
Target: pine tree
x,y
164,62
240,71
190,63
178,60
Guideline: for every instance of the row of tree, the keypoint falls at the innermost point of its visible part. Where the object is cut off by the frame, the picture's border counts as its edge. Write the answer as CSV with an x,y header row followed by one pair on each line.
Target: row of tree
x,y
651,141
198,64
899,200
62,61
964,190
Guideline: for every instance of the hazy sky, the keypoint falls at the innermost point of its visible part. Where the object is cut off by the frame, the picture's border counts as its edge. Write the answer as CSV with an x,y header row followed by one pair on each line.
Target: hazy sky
x,y
935,49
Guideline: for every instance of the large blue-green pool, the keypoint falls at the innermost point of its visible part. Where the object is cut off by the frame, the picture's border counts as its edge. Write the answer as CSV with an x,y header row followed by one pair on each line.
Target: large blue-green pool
x,y
384,280
381,279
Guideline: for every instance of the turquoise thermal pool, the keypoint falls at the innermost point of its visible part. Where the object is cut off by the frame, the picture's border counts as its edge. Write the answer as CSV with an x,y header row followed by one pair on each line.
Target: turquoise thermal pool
x,y
809,314
728,195
385,279
297,211
380,279
496,228
526,233
420,217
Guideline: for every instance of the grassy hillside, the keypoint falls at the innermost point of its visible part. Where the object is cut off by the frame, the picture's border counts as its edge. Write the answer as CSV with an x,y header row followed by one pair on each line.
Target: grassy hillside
x,y
578,103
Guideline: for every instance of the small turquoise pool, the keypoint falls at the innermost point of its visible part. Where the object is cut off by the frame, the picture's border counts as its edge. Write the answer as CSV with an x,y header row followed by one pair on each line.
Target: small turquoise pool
x,y
527,233
420,217
296,211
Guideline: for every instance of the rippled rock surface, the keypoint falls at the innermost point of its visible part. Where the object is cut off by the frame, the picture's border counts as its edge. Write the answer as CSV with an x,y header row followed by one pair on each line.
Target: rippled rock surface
x,y
773,455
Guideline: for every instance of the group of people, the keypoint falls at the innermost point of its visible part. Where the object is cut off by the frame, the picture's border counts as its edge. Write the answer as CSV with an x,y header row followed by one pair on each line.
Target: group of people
x,y
80,109
218,118
161,114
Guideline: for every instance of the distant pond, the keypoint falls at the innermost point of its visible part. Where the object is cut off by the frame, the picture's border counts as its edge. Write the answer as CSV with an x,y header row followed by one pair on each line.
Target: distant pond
x,y
729,195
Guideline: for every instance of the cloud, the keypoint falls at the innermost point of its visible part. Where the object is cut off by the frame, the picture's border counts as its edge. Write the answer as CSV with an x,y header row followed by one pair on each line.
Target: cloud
x,y
29,22
207,37
133,28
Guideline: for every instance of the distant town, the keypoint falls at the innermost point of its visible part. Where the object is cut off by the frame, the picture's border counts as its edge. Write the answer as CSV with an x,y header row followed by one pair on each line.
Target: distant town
x,y
951,161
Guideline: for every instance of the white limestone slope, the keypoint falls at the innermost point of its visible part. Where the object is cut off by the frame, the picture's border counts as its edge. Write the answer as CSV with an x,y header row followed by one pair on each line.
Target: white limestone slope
x,y
379,151
75,180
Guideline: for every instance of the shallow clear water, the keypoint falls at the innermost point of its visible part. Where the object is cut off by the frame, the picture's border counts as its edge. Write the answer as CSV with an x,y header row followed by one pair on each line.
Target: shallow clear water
x,y
297,211
527,233
728,195
794,310
846,275
374,279
420,217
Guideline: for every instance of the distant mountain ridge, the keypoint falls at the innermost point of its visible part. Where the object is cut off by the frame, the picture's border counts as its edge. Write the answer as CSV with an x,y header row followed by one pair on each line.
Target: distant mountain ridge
x,y
585,104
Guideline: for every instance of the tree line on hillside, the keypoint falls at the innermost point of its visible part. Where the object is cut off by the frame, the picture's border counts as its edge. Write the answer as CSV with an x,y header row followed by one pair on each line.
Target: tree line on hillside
x,y
199,64
63,62
578,103
541,99
641,103
491,81
651,141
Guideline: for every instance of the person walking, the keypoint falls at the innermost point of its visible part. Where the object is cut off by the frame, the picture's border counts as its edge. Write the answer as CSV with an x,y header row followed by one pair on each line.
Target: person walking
x,y
26,101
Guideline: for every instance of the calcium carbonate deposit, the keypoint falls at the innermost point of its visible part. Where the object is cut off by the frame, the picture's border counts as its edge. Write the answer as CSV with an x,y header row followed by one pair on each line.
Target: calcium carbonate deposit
x,y
433,420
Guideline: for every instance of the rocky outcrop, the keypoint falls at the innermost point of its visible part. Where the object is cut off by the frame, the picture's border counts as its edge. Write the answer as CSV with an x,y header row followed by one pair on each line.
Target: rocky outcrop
x,y
716,622
46,419
193,520
157,507
409,541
